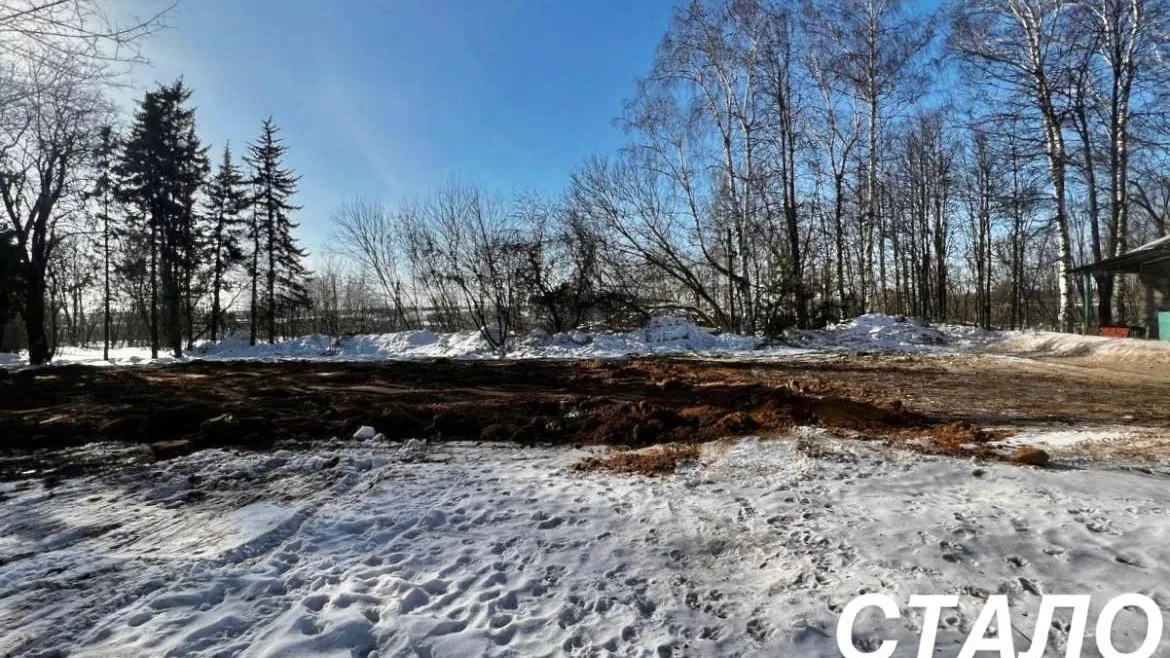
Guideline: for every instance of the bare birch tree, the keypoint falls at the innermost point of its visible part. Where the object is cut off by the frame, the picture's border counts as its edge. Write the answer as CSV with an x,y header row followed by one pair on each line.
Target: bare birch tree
x,y
1024,46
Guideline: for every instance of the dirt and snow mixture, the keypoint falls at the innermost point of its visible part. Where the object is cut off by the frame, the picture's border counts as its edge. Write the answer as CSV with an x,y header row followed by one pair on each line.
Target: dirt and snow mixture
x,y
472,551
369,547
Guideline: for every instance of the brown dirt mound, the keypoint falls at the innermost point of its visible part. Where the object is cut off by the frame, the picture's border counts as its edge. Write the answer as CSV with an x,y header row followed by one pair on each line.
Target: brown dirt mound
x,y
630,403
658,460
1030,456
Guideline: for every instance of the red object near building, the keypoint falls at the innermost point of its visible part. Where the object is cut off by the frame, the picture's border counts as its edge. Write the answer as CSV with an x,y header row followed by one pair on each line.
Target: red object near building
x,y
1115,332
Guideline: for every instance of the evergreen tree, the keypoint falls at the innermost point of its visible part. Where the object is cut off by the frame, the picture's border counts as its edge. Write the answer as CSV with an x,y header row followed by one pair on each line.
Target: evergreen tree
x,y
227,201
162,169
275,253
102,194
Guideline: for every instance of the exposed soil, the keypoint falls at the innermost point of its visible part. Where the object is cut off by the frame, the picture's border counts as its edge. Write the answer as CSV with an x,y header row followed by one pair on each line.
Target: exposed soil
x,y
658,460
933,404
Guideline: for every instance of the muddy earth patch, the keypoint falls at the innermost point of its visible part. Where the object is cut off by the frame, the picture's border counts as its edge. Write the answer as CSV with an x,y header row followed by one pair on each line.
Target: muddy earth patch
x,y
932,404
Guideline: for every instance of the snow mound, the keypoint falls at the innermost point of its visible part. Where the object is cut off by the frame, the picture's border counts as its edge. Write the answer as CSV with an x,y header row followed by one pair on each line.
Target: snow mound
x,y
413,450
971,336
1050,343
413,344
377,345
236,346
667,330
877,331
1068,437
662,335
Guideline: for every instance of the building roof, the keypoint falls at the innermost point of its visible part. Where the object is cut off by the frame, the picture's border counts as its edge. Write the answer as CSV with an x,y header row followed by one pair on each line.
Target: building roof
x,y
1151,254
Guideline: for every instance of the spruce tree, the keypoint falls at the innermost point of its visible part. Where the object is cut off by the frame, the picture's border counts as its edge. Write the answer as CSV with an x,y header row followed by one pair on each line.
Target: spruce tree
x,y
228,199
162,168
275,250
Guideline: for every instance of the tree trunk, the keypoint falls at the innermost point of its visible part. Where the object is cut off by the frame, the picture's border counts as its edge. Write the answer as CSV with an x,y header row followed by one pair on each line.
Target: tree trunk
x,y
172,310
34,315
839,242
1104,281
255,306
215,285
1055,151
871,197
154,291
106,287
271,304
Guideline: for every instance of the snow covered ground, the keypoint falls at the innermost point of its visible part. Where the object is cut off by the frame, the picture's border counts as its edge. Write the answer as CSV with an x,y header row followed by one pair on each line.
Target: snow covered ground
x,y
662,336
497,551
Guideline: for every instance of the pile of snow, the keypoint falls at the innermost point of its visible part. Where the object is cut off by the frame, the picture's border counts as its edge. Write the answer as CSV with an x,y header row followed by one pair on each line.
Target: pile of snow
x,y
878,332
414,344
508,552
664,335
8,359
1087,446
1065,438
970,336
1050,343
671,331
403,342
236,347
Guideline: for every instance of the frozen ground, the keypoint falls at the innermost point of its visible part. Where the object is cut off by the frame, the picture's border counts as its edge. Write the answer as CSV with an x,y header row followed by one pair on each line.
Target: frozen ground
x,y
502,551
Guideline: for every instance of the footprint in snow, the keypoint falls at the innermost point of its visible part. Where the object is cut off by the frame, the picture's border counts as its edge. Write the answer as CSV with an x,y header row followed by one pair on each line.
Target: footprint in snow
x,y
569,615
413,599
507,601
571,645
549,524
447,627
306,625
504,637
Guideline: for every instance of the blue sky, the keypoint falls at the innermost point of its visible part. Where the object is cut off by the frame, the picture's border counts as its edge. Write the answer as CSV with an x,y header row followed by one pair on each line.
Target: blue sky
x,y
391,98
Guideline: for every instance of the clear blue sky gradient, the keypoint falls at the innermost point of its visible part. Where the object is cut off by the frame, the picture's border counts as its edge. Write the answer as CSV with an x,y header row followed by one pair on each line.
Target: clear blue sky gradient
x,y
391,98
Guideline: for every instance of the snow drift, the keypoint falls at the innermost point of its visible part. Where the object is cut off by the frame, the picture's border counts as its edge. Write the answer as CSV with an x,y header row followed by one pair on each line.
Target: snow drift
x,y
1049,343
664,335
875,331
